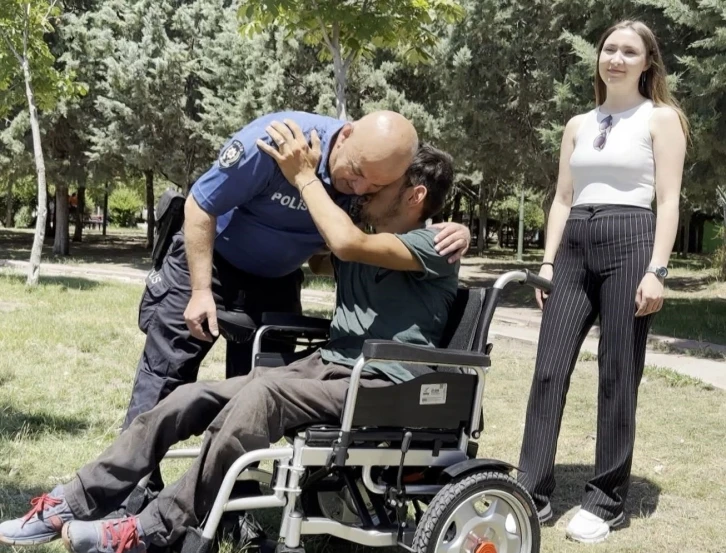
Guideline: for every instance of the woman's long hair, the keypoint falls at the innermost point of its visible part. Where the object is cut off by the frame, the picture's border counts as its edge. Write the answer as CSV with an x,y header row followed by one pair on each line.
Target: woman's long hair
x,y
652,83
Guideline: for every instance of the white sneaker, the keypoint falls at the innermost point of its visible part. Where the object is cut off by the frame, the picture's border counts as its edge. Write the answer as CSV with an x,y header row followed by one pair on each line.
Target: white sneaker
x,y
588,528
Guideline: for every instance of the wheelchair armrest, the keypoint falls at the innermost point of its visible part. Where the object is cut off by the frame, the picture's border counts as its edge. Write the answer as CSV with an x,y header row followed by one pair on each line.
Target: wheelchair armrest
x,y
292,321
306,328
388,350
235,326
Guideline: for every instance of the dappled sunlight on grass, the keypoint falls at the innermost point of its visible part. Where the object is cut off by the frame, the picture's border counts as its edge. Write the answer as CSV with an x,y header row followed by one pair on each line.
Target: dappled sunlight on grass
x,y
67,361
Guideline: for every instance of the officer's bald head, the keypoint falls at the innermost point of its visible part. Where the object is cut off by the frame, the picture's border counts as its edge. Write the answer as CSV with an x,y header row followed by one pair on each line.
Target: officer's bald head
x,y
372,152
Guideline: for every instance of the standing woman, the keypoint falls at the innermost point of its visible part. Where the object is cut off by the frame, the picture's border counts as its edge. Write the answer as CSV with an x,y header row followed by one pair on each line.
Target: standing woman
x,y
607,254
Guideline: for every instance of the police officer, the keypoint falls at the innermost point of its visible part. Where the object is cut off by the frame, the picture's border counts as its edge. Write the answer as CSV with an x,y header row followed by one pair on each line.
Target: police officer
x,y
246,234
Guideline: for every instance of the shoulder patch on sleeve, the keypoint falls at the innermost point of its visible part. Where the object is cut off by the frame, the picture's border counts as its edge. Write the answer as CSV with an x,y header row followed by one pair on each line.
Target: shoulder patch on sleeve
x,y
231,154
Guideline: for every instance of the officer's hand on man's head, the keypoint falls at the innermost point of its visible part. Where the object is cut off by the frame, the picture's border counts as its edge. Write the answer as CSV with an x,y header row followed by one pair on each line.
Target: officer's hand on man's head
x,y
297,159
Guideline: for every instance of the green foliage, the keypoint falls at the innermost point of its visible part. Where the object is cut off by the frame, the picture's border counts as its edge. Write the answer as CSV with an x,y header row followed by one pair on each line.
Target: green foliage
x,y
173,82
357,28
168,82
349,31
123,206
24,26
24,217
704,91
720,256
507,212
721,252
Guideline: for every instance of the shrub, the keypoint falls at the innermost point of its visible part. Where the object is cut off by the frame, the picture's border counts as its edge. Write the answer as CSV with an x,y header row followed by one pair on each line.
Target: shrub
x,y
123,205
24,217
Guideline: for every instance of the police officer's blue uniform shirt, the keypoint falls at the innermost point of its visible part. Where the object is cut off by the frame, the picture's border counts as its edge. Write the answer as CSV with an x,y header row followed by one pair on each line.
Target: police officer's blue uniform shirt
x,y
263,227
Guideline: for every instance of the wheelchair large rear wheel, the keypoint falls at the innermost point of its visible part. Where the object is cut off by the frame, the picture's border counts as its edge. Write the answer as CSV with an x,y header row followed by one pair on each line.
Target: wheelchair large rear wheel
x,y
482,512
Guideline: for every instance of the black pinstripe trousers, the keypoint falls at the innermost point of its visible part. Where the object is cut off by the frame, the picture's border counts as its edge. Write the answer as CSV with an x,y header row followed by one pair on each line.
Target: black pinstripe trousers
x,y
601,260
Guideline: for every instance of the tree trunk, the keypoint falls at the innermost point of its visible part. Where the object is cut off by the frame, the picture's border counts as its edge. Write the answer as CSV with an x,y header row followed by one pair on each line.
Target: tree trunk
x,y
471,217
149,209
457,215
520,233
685,242
37,249
481,239
49,220
340,71
546,206
9,205
80,211
105,208
61,243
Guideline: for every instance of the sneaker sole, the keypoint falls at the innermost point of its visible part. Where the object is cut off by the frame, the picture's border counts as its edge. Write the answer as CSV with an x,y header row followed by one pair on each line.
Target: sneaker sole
x,y
36,541
617,521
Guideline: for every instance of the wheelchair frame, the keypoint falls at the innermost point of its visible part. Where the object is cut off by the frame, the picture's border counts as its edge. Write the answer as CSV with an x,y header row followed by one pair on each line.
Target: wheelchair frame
x,y
294,460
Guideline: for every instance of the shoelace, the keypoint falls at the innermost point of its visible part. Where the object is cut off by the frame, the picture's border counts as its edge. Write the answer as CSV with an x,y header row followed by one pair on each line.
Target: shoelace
x,y
39,505
123,533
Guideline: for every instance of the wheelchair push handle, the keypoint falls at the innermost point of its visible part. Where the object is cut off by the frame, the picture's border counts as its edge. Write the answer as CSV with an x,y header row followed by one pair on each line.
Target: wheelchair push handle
x,y
525,276
536,281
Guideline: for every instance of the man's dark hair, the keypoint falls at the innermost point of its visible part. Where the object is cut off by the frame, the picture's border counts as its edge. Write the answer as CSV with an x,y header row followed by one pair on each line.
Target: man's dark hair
x,y
434,169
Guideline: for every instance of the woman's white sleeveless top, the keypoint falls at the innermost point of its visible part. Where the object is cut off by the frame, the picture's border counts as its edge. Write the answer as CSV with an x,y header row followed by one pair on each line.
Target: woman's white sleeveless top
x,y
623,172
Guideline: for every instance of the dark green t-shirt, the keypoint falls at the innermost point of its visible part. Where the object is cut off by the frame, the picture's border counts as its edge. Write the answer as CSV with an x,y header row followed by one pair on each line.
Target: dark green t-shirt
x,y
406,306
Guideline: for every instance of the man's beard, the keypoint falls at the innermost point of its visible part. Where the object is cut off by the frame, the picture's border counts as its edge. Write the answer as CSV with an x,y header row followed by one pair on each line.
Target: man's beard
x,y
392,211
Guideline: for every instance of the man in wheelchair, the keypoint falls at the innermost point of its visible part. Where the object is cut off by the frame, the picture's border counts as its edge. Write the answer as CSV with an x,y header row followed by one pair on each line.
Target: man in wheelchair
x,y
391,285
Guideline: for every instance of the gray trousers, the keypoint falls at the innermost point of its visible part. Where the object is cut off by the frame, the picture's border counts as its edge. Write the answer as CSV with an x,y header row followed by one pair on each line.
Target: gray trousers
x,y
239,414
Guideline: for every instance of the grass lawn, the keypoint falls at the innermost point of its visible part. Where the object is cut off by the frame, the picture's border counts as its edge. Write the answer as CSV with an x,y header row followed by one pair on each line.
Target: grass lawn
x,y
68,352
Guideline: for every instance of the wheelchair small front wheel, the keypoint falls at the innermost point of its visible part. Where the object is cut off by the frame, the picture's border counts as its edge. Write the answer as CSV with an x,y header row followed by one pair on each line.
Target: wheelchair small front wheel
x,y
481,512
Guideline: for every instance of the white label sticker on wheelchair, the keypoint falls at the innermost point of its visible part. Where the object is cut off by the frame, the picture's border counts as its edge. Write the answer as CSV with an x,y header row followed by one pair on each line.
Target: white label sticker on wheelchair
x,y
432,394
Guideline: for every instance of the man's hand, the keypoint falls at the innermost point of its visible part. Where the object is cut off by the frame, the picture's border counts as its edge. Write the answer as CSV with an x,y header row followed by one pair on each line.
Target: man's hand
x,y
546,271
649,297
202,308
297,159
452,238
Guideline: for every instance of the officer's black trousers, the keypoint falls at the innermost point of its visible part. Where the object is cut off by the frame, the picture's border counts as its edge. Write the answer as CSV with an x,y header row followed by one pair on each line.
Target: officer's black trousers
x,y
603,256
171,356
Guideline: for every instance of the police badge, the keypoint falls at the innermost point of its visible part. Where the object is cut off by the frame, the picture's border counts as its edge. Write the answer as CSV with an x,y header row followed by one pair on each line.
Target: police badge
x,y
231,154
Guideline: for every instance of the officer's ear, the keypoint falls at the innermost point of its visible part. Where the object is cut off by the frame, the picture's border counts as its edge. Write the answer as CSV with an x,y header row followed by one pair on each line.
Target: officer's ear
x,y
345,132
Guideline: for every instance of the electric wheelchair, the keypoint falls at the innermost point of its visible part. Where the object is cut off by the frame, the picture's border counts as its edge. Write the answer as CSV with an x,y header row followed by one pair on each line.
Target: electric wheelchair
x,y
401,467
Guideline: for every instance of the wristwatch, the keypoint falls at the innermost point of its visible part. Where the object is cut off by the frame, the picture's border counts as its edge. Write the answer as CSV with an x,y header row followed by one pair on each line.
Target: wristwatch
x,y
660,272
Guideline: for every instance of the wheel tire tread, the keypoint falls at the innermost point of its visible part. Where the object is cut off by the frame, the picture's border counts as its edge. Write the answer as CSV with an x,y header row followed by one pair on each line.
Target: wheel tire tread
x,y
457,488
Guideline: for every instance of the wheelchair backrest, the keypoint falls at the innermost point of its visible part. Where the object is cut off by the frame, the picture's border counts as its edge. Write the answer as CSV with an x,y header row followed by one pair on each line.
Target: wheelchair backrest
x,y
404,405
462,326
